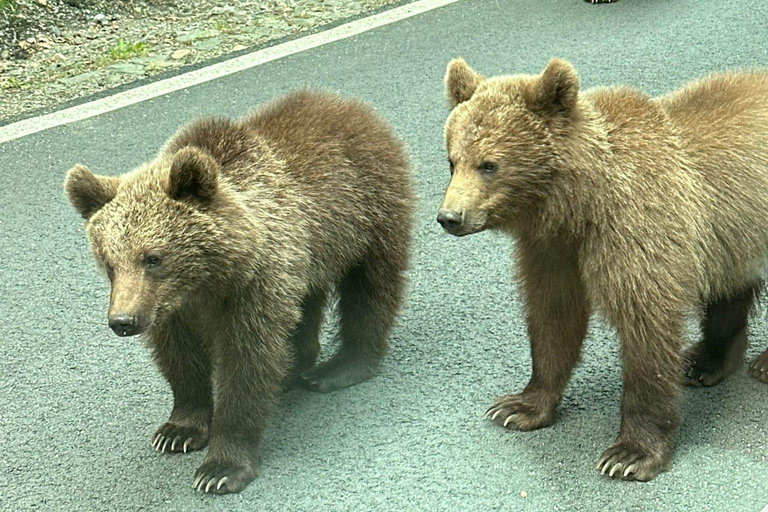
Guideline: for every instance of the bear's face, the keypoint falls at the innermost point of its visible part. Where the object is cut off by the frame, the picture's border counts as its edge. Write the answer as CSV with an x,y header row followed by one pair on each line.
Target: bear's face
x,y
150,233
499,138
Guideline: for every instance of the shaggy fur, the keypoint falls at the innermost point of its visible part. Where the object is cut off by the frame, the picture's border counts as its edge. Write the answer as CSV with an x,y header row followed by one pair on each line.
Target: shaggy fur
x,y
223,250
641,208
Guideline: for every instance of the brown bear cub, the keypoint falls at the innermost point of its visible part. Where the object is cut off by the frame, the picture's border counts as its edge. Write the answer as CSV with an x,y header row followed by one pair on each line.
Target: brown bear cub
x,y
223,250
641,208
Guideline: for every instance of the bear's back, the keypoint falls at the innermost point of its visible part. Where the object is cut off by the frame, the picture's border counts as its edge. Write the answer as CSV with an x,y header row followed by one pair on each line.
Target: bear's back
x,y
238,153
637,128
317,133
722,112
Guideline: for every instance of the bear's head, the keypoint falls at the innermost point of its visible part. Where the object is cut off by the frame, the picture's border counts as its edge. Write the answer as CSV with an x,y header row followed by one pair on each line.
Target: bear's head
x,y
501,138
152,233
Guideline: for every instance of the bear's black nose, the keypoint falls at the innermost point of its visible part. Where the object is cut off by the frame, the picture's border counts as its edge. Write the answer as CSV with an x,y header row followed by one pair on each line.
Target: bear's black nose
x,y
124,325
449,219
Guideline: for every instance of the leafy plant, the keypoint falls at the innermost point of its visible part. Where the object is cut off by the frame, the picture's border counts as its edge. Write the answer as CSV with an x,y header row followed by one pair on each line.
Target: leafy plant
x,y
126,50
14,83
222,26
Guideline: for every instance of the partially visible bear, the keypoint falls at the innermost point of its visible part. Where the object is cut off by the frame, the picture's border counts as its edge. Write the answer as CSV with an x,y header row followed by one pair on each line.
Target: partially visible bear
x,y
223,250
641,208
759,367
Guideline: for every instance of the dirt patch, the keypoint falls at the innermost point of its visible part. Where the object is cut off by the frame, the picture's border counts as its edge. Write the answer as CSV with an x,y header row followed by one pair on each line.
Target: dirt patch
x,y
54,51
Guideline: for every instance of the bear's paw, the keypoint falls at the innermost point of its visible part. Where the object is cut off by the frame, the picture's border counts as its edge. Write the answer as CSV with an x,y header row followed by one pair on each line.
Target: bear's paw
x,y
522,411
175,438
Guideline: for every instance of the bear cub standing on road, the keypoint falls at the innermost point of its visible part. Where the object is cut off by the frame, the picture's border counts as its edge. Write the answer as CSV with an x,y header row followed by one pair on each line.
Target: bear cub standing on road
x,y
223,250
641,208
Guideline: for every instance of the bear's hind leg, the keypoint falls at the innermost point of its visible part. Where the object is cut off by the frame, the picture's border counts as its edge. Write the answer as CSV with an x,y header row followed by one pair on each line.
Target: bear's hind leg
x,y
369,300
759,367
183,361
721,351
305,339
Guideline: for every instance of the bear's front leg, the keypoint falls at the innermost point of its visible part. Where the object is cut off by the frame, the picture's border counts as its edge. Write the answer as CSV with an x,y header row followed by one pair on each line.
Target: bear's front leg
x,y
182,358
650,411
557,317
253,358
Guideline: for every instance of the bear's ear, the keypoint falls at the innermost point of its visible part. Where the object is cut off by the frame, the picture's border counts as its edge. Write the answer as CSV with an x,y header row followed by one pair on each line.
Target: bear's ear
x,y
88,192
558,88
193,175
461,81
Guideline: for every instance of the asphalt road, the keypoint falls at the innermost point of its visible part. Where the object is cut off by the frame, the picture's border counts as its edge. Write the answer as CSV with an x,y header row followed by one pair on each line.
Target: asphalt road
x,y
78,405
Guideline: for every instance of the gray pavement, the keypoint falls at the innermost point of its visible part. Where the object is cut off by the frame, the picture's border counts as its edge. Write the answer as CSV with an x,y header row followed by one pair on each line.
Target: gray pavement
x,y
79,405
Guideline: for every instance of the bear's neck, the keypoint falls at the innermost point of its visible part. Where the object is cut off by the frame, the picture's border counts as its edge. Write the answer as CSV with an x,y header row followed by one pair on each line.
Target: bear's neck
x,y
583,154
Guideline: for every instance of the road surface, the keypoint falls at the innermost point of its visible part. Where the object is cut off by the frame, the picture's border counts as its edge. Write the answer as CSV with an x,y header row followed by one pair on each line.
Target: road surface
x,y
79,405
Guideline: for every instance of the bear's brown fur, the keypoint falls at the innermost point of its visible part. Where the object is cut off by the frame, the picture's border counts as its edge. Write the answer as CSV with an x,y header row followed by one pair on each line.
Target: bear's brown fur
x,y
223,250
641,208
759,367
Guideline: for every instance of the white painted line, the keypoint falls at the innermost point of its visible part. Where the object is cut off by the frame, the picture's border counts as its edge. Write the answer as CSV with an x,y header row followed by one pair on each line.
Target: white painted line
x,y
145,92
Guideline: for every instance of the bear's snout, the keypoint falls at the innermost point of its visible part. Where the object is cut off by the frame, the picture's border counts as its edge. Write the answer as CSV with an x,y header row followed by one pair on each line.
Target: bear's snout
x,y
449,219
124,325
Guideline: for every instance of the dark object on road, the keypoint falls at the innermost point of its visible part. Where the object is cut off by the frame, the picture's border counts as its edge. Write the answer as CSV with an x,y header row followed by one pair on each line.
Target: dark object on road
x,y
641,208
223,250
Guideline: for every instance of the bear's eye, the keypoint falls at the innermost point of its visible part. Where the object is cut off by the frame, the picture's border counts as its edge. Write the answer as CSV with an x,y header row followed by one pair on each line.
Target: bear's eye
x,y
152,260
488,167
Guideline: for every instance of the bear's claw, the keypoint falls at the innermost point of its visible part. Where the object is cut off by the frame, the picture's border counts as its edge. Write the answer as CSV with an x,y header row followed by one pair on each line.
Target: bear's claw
x,y
222,477
522,411
172,438
509,418
629,462
702,368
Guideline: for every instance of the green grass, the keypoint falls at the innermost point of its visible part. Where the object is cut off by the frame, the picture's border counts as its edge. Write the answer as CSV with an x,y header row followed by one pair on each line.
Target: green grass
x,y
8,9
13,83
222,26
121,51
126,50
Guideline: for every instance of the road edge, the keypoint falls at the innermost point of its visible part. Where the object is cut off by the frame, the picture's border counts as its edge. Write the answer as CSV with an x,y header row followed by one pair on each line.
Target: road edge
x,y
220,69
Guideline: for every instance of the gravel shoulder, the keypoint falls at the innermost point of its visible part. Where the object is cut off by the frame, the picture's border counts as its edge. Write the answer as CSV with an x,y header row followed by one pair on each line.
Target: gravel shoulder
x,y
55,51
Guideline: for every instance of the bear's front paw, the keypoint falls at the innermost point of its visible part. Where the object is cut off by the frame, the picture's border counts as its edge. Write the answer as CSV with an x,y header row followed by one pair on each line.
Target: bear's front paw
x,y
629,461
222,476
175,438
522,411
759,367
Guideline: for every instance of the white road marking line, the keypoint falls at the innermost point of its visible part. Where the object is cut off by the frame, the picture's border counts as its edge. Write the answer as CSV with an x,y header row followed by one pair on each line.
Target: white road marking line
x,y
218,70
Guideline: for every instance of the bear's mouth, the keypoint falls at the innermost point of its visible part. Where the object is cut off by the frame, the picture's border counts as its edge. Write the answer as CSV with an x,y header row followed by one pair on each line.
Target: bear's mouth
x,y
125,333
463,230
125,325
468,225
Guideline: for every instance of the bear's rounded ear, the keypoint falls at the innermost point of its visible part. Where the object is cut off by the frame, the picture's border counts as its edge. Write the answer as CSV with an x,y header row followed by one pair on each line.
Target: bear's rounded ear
x,y
558,88
88,192
461,81
193,175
